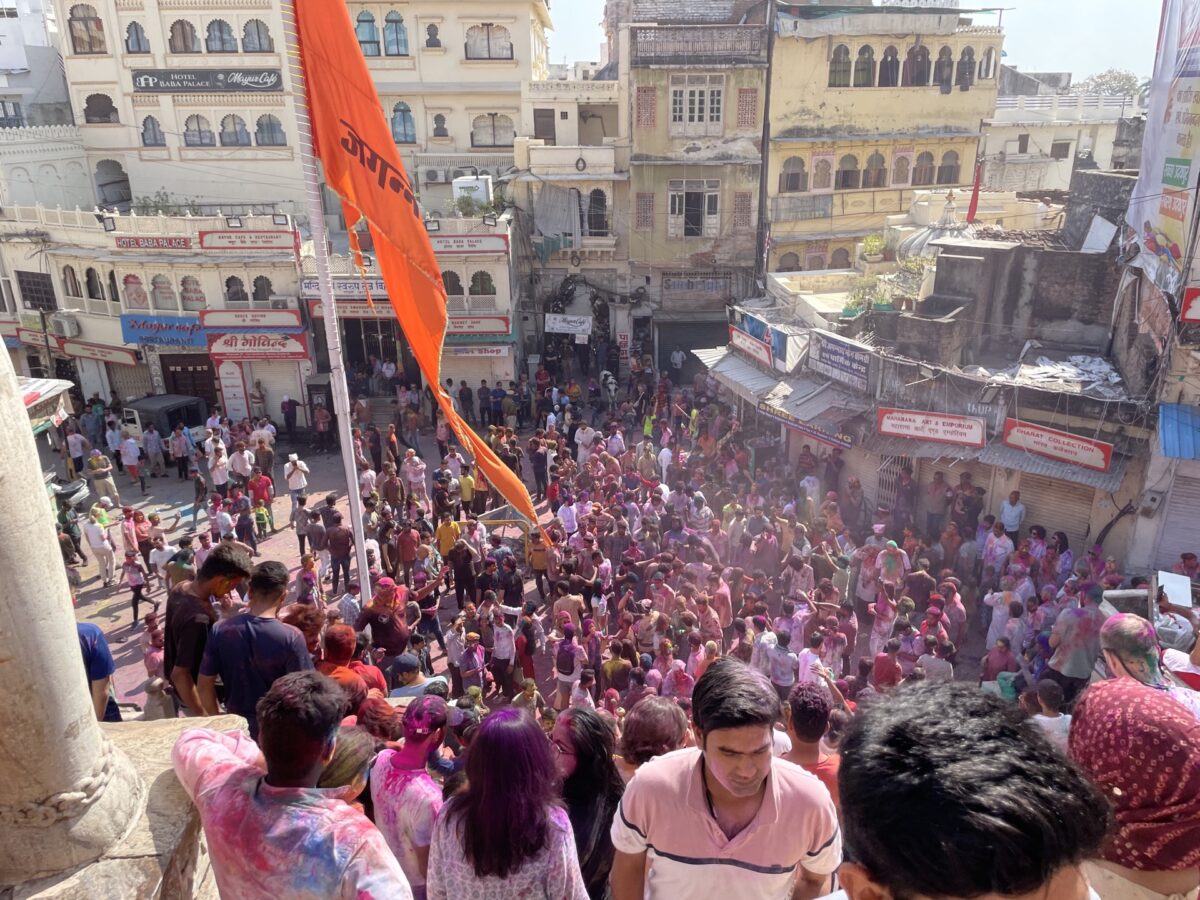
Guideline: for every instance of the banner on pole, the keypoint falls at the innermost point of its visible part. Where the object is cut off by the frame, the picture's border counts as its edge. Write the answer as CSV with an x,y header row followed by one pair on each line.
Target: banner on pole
x,y
352,139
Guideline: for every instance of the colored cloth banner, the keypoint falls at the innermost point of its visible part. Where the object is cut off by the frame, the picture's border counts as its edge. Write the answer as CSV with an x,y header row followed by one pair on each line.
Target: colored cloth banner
x,y
352,139
1160,210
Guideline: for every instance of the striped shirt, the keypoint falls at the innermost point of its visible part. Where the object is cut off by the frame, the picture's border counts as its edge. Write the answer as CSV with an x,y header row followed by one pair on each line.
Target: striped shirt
x,y
690,856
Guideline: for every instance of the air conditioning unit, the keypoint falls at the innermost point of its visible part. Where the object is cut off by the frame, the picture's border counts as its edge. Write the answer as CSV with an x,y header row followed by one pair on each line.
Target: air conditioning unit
x,y
64,325
436,176
281,302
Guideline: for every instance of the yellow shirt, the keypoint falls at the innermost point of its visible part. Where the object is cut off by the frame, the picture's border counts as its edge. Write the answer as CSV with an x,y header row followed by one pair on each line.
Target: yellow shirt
x,y
447,533
466,487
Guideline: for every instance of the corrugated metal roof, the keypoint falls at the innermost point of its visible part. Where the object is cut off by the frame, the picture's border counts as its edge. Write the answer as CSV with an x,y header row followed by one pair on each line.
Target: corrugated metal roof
x,y
889,445
1011,458
1179,431
742,377
807,398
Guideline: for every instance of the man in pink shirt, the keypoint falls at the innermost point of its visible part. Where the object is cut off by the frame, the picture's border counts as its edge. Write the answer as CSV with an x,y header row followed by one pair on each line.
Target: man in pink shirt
x,y
272,833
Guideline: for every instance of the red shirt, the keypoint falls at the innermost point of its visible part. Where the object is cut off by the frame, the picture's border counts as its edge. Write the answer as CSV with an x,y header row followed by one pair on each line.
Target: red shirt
x,y
827,771
260,488
407,542
887,671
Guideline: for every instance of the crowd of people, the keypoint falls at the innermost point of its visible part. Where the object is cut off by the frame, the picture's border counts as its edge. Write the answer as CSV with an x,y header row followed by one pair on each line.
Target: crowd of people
x,y
697,676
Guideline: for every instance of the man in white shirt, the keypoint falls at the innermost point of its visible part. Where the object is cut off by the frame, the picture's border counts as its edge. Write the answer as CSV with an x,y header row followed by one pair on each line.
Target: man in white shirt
x,y
99,541
583,441
678,358
808,656
212,440
152,442
77,448
1052,720
665,457
295,472
218,470
160,556
213,422
616,442
1012,514
241,463
131,455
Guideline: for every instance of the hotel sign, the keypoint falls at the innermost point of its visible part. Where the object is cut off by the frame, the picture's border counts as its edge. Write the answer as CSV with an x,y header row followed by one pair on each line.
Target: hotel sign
x,y
206,81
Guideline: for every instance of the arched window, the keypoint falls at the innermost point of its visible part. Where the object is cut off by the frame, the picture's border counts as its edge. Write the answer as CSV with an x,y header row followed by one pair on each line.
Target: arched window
x,y
452,283
71,282
948,171
268,132
923,170
183,37
198,133
793,179
965,75
87,30
889,68
235,291
848,175
789,262
135,293
191,294
864,67
482,285
839,67
943,69
439,126
395,35
597,214
98,109
900,170
488,41
163,292
916,67
840,259
234,132
263,289
875,175
368,34
95,289
114,295
256,37
220,37
152,133
822,175
135,39
492,130
987,68
404,130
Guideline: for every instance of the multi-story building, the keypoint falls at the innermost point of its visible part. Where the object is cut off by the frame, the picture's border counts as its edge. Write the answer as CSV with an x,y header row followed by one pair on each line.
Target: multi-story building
x,y
868,105
696,75
192,107
1031,143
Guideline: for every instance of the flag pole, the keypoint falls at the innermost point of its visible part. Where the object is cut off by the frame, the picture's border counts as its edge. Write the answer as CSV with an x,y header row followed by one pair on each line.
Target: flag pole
x,y
333,340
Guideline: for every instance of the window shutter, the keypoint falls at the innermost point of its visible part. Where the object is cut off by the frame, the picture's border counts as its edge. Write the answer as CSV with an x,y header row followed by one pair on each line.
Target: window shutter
x,y
747,108
647,107
743,210
644,213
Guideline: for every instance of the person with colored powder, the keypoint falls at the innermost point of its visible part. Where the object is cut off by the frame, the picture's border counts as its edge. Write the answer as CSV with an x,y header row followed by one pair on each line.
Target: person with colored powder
x,y
406,799
272,833
1130,648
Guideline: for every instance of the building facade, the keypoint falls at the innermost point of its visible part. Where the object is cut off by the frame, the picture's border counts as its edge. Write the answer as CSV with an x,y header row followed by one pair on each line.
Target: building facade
x,y
866,107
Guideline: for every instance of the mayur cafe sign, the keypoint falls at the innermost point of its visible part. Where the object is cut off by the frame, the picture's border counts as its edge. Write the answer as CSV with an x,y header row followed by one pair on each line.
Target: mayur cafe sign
x,y
206,81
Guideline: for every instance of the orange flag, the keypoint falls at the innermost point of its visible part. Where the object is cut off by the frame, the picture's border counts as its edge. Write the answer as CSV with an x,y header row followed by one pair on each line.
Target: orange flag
x,y
352,139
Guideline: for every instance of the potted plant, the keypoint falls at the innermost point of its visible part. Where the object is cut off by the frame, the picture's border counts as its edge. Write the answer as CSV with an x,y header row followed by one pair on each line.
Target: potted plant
x,y
873,246
863,291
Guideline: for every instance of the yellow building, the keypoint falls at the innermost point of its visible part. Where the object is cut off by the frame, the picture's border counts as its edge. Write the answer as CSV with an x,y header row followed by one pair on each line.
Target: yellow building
x,y
696,76
868,106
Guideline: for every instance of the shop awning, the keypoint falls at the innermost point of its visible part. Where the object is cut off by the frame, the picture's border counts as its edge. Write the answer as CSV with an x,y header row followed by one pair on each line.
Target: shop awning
x,y
887,445
743,378
46,401
808,398
1022,461
1179,431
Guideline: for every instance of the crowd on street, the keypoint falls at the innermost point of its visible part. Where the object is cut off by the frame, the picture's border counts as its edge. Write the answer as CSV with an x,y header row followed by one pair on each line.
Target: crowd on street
x,y
694,676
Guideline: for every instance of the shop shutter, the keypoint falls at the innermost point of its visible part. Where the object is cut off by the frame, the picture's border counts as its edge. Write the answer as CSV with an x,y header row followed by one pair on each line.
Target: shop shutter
x,y
1181,523
865,467
130,381
278,378
1057,506
981,477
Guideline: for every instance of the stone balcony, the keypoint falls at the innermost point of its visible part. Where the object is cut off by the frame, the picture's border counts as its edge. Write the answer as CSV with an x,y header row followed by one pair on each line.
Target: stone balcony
x,y
1052,109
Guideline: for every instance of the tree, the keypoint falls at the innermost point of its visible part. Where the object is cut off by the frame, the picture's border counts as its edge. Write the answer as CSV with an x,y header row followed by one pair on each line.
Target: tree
x,y
1111,83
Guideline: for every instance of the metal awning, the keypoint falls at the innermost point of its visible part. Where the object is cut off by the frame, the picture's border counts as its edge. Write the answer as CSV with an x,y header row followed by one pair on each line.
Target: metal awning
x,y
808,398
1022,461
1179,431
742,377
887,445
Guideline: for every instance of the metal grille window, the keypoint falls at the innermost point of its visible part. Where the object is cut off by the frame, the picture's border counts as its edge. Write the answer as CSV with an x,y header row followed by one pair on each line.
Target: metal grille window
x,y
696,104
647,107
10,114
694,208
743,210
643,216
747,108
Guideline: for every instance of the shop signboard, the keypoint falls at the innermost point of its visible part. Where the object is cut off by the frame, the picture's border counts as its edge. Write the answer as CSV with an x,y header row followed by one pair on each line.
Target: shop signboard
x,y
169,331
759,351
1061,445
840,359
261,345
819,431
942,428
206,81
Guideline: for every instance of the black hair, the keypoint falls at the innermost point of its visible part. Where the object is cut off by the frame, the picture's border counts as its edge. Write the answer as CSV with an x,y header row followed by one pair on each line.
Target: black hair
x,y
1011,810
297,720
810,707
225,561
268,578
592,792
730,694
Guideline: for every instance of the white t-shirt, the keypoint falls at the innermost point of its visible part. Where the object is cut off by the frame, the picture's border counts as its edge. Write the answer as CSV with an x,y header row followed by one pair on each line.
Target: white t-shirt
x,y
75,443
664,460
96,534
129,452
159,558
295,472
1056,727
407,803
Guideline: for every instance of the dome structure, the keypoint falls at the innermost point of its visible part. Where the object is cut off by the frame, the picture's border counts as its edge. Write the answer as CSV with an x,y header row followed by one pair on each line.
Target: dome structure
x,y
919,242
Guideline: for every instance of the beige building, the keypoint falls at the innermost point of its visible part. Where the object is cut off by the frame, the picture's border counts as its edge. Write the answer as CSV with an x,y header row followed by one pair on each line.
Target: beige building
x,y
190,105
868,106
696,77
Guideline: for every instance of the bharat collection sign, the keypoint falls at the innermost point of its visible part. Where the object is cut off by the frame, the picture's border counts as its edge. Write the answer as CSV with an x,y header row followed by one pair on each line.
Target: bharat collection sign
x,y
1060,445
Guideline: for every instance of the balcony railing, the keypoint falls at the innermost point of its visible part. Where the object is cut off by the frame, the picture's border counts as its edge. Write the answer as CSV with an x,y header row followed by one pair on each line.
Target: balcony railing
x,y
696,45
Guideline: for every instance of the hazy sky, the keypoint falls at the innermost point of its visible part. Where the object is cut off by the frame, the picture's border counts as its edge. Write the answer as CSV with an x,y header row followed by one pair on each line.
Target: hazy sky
x,y
1079,36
